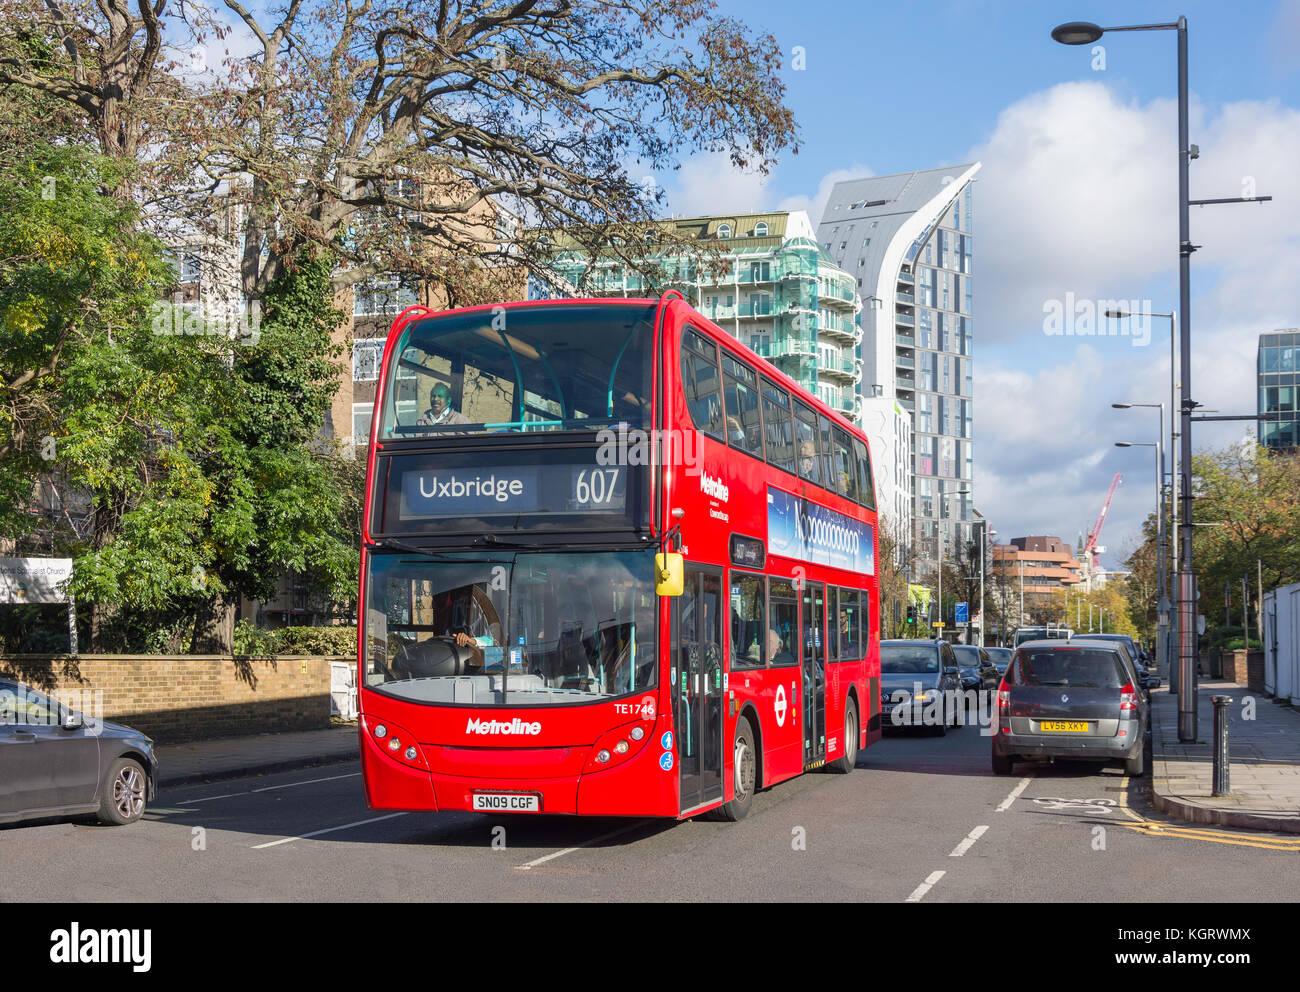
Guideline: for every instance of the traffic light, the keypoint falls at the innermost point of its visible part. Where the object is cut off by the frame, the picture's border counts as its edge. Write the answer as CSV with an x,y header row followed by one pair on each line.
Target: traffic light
x,y
911,614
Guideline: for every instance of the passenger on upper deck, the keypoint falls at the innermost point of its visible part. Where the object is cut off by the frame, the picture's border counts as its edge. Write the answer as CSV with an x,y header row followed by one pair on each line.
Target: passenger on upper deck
x,y
440,411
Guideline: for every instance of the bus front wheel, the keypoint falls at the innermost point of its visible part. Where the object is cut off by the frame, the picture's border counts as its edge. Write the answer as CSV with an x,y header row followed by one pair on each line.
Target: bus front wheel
x,y
744,773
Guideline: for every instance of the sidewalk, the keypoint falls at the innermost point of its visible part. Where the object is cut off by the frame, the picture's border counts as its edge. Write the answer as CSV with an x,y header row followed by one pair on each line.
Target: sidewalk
x,y
232,757
1263,757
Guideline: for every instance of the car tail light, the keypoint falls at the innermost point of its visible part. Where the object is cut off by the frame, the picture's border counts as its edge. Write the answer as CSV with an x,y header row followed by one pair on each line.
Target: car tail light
x,y
1004,707
1127,701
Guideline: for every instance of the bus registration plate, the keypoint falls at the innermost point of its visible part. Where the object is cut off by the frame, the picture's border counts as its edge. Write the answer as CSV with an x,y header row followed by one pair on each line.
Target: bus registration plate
x,y
507,802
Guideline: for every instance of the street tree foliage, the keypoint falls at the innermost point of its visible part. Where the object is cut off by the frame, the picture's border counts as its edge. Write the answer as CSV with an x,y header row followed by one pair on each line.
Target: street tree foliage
x,y
199,465
402,133
1251,497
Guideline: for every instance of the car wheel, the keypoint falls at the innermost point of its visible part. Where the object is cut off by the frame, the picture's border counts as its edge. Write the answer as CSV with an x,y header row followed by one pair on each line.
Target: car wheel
x,y
1135,766
122,796
1002,764
744,774
844,764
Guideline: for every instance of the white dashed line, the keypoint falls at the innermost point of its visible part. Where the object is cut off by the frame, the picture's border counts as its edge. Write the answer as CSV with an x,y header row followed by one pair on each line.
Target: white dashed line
x,y
919,892
1013,796
327,830
966,844
570,850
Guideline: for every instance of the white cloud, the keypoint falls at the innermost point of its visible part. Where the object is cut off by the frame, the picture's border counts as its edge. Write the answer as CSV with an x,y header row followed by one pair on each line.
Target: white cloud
x,y
710,184
1079,194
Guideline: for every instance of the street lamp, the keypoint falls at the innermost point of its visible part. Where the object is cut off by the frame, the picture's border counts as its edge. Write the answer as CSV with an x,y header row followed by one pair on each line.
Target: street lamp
x,y
1084,33
942,497
1162,609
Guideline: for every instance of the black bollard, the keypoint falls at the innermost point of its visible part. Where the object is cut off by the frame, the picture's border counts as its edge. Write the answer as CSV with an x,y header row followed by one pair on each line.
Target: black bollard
x,y
1220,782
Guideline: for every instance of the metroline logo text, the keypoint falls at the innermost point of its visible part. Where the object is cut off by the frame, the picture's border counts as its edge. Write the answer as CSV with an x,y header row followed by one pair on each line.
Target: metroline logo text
x,y
515,726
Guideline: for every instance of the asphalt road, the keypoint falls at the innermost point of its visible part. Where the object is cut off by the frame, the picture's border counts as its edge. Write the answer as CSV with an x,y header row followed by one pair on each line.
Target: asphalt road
x,y
921,819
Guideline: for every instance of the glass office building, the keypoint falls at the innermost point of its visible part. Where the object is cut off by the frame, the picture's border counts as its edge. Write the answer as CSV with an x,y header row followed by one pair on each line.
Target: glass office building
x,y
1278,373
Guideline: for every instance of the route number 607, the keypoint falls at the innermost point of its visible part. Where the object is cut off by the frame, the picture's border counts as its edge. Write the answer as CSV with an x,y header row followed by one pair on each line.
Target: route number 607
x,y
596,486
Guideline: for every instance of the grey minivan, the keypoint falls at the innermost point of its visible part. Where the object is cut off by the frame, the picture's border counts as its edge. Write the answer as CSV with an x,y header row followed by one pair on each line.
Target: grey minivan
x,y
919,684
55,762
1071,699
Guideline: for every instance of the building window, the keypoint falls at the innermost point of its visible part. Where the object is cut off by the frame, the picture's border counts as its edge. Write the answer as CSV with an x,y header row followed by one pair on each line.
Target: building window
x,y
383,295
361,416
724,231
366,354
760,230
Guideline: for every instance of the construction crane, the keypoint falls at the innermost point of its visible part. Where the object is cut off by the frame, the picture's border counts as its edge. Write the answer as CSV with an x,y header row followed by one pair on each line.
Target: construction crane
x,y
1090,550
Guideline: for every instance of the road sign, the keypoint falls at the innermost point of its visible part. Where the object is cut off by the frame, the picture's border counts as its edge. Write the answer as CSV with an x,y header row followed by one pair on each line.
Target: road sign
x,y
937,623
962,613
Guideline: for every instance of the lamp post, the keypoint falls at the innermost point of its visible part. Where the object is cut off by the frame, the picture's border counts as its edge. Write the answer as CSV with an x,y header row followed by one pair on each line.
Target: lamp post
x,y
942,498
1082,33
1162,609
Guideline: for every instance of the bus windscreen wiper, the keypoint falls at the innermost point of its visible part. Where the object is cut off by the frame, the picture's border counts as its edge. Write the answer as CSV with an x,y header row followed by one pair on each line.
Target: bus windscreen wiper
x,y
497,542
396,545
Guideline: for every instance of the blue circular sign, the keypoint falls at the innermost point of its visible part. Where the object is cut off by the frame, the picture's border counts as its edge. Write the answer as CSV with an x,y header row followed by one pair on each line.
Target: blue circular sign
x,y
667,740
666,761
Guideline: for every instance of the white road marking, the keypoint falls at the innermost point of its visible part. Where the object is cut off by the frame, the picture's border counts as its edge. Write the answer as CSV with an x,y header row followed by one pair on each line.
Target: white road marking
x,y
919,892
1013,796
327,830
272,788
570,850
966,844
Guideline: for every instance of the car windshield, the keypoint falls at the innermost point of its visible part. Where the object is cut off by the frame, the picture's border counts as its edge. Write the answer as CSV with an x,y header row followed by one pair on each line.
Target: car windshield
x,y
967,656
532,368
908,659
523,629
1074,668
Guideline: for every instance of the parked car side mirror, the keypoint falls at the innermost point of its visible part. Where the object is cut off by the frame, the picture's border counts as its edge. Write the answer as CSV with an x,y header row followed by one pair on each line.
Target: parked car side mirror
x,y
950,671
72,720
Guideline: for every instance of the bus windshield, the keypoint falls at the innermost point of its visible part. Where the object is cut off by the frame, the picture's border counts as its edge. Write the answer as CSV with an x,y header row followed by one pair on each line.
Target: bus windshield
x,y
518,629
579,366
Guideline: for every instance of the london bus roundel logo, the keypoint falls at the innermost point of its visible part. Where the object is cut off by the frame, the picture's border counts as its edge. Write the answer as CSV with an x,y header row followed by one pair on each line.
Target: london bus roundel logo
x,y
648,708
780,706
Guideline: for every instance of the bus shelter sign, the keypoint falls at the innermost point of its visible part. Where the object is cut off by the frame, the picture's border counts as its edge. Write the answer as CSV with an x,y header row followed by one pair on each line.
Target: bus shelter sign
x,y
806,531
34,580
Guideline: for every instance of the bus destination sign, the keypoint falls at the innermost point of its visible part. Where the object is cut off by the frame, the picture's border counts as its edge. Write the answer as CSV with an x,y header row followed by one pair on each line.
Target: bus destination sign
x,y
502,490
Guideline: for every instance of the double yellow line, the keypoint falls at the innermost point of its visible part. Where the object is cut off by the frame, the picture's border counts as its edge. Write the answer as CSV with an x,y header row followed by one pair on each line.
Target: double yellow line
x,y
1215,836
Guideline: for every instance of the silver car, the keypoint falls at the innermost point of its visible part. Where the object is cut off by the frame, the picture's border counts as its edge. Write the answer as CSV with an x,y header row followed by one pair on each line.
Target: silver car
x,y
1075,699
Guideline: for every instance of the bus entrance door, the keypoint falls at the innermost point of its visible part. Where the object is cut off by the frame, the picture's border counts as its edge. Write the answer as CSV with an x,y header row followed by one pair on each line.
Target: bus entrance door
x,y
697,686
814,675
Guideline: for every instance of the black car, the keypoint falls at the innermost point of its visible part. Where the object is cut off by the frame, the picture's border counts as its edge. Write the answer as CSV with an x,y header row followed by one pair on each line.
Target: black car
x,y
977,670
1071,699
1001,658
919,685
55,762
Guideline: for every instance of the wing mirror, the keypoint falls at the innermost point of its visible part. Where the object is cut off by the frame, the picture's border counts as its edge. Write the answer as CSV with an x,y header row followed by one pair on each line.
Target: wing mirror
x,y
670,574
72,720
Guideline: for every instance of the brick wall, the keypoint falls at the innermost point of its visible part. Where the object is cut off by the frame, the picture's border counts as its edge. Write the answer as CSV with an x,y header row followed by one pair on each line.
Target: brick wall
x,y
189,697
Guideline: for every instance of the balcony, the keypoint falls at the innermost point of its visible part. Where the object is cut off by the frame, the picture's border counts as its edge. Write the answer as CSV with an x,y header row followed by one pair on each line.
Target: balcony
x,y
903,362
904,340
904,320
751,308
839,329
905,298
905,382
907,277
840,371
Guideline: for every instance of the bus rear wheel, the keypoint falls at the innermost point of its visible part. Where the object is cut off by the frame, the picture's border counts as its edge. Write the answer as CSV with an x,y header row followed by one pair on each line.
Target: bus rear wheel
x,y
844,764
744,774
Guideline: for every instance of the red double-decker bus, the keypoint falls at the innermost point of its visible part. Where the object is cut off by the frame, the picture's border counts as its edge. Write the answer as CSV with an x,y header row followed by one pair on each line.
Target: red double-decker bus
x,y
613,563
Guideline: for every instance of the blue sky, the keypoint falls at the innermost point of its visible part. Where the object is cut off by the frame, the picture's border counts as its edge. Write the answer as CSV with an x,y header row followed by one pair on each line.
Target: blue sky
x,y
1077,196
